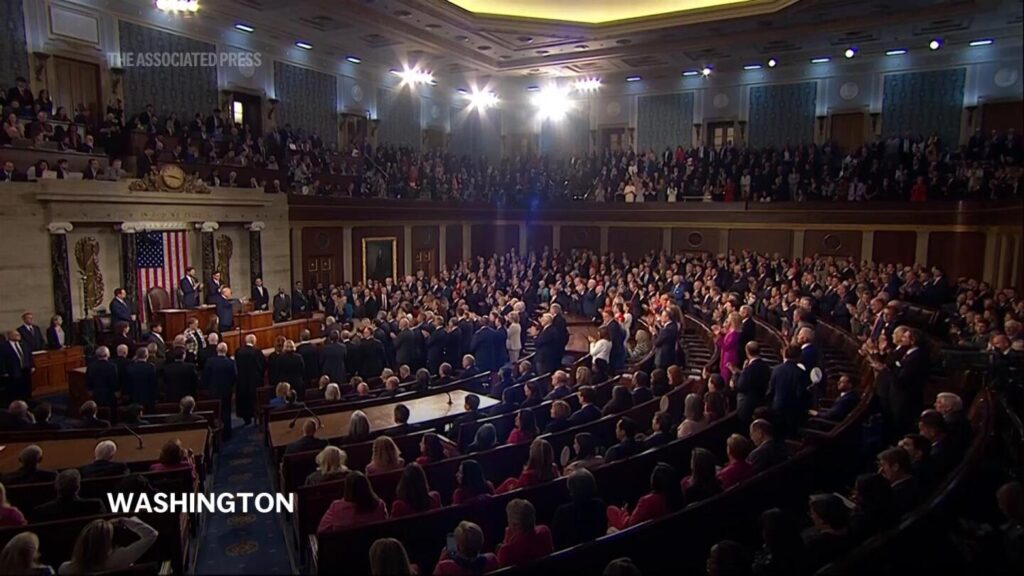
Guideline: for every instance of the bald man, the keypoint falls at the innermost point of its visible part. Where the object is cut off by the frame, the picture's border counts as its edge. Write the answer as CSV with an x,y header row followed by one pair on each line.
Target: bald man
x,y
219,377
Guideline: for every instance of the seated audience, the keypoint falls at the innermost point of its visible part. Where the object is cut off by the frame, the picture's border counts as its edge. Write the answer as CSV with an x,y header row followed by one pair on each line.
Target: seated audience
x,y
309,441
782,549
728,558
525,541
358,428
470,483
389,558
68,504
330,466
280,399
385,457
620,401
665,497
693,412
875,510
28,471
625,433
540,467
484,439
21,556
9,515
360,505
662,431
467,557
413,494
174,457
103,462
588,411
768,450
431,449
560,386
583,518
525,428
828,539
738,448
95,551
894,466
584,446
641,388
844,405
87,417
560,411
945,454
702,482
186,407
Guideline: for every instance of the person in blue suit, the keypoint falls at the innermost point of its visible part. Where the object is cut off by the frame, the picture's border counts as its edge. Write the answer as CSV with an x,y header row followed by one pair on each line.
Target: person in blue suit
x,y
189,287
548,346
225,309
810,358
219,376
847,401
617,334
141,380
102,380
788,389
120,310
16,366
666,342
482,347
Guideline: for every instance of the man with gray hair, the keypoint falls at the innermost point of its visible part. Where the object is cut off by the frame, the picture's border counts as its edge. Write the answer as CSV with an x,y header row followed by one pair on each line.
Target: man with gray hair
x,y
68,503
103,462
952,409
582,519
525,541
28,471
17,417
186,409
252,368
102,379
219,377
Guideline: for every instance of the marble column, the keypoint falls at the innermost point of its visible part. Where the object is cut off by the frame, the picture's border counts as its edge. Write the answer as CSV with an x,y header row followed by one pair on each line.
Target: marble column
x,y
255,251
129,264
209,253
62,287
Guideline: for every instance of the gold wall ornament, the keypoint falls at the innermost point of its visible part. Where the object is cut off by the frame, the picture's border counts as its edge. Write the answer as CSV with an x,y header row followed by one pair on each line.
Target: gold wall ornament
x,y
225,248
87,256
170,178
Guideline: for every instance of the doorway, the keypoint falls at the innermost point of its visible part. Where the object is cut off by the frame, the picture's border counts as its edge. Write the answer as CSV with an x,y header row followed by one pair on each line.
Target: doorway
x,y
425,260
77,86
320,270
848,130
721,134
354,129
1001,116
245,110
613,139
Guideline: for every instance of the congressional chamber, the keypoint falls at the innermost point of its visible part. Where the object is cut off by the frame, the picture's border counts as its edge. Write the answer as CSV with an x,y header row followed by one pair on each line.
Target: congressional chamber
x,y
723,287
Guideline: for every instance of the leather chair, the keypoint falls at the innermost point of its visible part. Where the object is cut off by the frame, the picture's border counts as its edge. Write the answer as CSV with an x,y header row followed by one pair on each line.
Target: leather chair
x,y
157,299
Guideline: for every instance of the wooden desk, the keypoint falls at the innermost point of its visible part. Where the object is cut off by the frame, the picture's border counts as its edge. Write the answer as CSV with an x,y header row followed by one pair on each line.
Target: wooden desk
x,y
52,367
580,328
253,320
421,410
175,320
266,335
77,452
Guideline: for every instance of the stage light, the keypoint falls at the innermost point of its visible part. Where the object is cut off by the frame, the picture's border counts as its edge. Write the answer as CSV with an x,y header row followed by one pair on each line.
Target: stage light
x,y
981,42
304,45
752,67
178,5
850,52
896,52
552,102
691,73
354,59
820,60
414,76
935,44
633,78
481,100
244,28
587,85
772,62
705,71
533,88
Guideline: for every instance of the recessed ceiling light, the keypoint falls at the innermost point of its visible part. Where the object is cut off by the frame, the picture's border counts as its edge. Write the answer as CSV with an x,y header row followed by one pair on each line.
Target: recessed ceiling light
x,y
533,88
244,28
981,42
691,72
752,67
525,39
896,52
705,71
633,78
354,59
304,45
772,62
820,60
850,52
935,44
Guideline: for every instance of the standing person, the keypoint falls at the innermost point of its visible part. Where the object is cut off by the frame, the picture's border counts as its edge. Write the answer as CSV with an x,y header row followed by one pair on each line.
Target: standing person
x,y
788,390
189,289
260,296
291,368
16,366
102,380
213,288
219,377
752,385
729,345
332,358
251,366
666,341
225,309
141,379
514,340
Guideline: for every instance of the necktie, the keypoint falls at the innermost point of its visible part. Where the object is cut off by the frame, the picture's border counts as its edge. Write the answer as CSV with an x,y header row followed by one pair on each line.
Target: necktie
x,y
21,357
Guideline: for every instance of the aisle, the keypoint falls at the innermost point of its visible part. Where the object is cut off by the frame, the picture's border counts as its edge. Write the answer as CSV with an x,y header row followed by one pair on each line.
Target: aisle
x,y
243,543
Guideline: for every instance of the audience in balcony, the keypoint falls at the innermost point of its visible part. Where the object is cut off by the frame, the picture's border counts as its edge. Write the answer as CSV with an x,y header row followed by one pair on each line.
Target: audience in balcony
x,y
467,556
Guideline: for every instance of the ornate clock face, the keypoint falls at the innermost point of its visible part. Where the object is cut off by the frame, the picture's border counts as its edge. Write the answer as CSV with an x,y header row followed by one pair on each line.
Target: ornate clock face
x,y
173,176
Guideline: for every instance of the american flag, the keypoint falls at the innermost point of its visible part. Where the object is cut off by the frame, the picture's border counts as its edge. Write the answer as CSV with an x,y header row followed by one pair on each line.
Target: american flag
x,y
162,260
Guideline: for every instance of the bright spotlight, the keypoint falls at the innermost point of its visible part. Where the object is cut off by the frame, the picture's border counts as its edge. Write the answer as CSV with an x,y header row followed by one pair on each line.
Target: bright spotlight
x,y
935,44
705,71
178,5
414,76
481,100
587,85
850,53
552,102
772,62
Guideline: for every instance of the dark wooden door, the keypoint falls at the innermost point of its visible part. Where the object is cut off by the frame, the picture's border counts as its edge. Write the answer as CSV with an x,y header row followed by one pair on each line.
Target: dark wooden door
x,y
246,111
848,130
1001,116
320,270
77,85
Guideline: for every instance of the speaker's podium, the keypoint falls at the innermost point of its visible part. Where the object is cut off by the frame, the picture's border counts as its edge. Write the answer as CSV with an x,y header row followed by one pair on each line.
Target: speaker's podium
x,y
175,320
253,320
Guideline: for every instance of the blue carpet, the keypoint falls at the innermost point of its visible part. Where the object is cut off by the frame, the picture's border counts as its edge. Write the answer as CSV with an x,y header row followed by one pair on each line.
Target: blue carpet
x,y
238,543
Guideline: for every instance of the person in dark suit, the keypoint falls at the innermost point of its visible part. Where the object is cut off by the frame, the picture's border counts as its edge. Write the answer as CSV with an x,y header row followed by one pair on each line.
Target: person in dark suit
x,y
219,377
907,389
748,328
309,442
641,388
561,327
617,358
811,359
895,466
31,335
186,409
17,417
372,357
291,368
299,303
584,517
213,288
406,345
141,378
260,295
844,405
625,433
87,419
28,471
548,346
120,310
310,357
225,309
251,365
282,306
180,377
56,336
769,450
436,344
332,359
16,366
588,411
103,380
788,390
68,503
189,287
482,348
103,462
666,342
752,385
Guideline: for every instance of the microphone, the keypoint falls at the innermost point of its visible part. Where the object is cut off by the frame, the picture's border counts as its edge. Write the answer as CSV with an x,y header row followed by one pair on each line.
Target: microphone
x,y
133,433
449,397
319,422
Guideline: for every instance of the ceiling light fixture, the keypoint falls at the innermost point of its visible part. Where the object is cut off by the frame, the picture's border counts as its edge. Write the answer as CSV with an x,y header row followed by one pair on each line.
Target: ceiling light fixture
x,y
304,45
414,76
896,52
482,100
935,44
178,5
244,28
633,78
691,73
772,62
820,60
533,88
354,59
587,85
705,71
552,102
850,52
981,42
752,67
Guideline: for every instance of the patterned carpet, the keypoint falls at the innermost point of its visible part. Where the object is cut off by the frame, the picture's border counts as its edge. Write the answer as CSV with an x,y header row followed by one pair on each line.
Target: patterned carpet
x,y
238,543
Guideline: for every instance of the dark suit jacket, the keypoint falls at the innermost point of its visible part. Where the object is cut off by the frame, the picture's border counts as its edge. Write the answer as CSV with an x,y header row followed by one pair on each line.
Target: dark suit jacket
x,y
751,388
120,311
549,350
482,348
141,377
842,407
180,379
586,413
617,358
101,468
72,508
310,360
21,476
189,294
10,364
748,333
101,377
372,358
225,312
332,362
905,394
578,522
260,300
219,377
292,369
33,338
665,346
790,399
406,349
305,444
768,454
282,307
641,395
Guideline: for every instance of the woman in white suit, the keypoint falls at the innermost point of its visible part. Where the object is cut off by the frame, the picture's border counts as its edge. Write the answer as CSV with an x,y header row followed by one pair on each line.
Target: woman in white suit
x,y
514,341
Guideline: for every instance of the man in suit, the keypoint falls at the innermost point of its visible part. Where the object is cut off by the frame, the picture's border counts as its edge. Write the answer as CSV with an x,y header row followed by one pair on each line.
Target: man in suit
x,y
156,336
225,309
372,356
213,288
219,377
16,366
810,359
87,419
895,466
28,471
189,287
788,389
186,409
841,408
561,327
588,411
299,303
103,380
332,358
752,385
282,306
559,386
769,450
666,342
260,296
748,329
16,418
617,358
548,346
251,365
310,357
309,442
120,310
406,345
103,462
437,341
31,336
482,348
68,503
141,378
907,388
180,377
